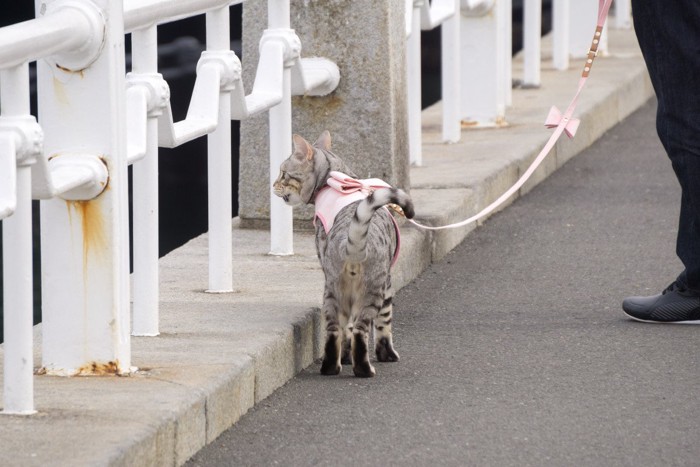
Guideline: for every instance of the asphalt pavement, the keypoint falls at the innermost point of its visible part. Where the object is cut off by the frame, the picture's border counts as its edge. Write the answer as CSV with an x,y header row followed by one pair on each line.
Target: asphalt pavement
x,y
514,348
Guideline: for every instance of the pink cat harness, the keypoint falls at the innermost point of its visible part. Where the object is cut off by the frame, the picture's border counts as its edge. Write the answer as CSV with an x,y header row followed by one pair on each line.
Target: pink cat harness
x,y
343,190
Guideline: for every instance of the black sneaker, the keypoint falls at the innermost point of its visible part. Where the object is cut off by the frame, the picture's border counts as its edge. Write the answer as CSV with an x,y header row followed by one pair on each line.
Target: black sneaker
x,y
676,304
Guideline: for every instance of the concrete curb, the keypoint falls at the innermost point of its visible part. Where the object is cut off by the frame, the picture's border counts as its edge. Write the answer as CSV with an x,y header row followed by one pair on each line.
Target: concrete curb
x,y
219,355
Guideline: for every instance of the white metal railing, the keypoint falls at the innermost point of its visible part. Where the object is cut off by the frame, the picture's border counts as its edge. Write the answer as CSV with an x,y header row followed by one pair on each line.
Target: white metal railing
x,y
570,26
17,266
425,15
66,28
81,150
95,121
476,55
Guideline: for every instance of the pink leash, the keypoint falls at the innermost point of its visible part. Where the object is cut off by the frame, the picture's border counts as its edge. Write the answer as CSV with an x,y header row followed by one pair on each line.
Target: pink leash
x,y
563,123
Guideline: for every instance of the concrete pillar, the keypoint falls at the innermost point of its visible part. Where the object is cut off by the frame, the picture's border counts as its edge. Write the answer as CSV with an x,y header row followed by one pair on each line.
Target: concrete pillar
x,y
366,115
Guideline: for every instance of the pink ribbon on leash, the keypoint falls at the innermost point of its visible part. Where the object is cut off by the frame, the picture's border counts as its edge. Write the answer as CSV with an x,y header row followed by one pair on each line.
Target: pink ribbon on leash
x,y
555,117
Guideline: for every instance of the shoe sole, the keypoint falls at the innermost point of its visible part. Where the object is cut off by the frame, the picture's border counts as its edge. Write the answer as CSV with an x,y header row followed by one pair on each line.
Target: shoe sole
x,y
661,322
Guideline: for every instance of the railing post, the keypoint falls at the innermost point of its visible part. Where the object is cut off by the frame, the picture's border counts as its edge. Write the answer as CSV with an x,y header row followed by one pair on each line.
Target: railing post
x,y
444,13
560,34
483,45
506,28
145,194
18,389
219,167
582,20
18,374
84,243
281,220
450,77
413,78
532,30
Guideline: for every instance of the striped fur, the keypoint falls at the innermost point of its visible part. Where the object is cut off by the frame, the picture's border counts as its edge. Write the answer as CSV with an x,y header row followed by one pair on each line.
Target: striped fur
x,y
359,227
355,255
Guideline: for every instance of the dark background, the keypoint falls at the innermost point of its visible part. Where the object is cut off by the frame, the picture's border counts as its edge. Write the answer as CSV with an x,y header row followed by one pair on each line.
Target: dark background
x,y
183,170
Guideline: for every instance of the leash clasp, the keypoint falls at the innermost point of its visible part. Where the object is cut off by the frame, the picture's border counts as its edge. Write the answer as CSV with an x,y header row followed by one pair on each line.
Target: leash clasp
x,y
396,208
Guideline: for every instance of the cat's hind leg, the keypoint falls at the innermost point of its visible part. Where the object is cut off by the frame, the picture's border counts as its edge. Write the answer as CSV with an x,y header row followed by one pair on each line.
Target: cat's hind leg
x,y
346,359
360,344
384,347
334,336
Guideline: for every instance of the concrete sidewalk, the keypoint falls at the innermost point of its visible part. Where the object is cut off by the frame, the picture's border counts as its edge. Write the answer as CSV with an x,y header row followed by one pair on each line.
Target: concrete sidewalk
x,y
218,355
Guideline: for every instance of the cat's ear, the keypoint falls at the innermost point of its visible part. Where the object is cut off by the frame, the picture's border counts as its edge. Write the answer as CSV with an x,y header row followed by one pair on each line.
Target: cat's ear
x,y
324,141
302,147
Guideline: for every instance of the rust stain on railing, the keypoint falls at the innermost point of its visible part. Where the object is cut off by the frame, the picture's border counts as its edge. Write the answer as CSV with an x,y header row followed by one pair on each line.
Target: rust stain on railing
x,y
58,88
68,70
110,368
60,92
99,369
92,226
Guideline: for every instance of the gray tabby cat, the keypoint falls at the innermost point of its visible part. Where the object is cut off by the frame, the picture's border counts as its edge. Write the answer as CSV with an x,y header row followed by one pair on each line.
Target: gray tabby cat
x,y
355,255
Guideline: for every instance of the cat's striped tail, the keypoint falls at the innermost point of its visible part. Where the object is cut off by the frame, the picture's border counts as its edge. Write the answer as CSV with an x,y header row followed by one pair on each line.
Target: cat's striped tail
x,y
359,226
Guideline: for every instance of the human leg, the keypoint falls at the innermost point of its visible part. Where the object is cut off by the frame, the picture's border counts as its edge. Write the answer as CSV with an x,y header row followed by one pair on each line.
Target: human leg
x,y
669,37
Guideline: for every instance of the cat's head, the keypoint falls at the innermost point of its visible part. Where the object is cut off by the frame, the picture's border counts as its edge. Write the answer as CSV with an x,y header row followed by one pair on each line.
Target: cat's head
x,y
302,173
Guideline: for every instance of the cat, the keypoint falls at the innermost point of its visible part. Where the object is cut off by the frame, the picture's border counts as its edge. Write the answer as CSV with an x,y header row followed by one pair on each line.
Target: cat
x,y
355,254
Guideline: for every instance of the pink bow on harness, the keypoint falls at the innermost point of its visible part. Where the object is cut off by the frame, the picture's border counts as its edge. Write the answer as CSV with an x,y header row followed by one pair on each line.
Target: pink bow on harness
x,y
343,190
346,184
